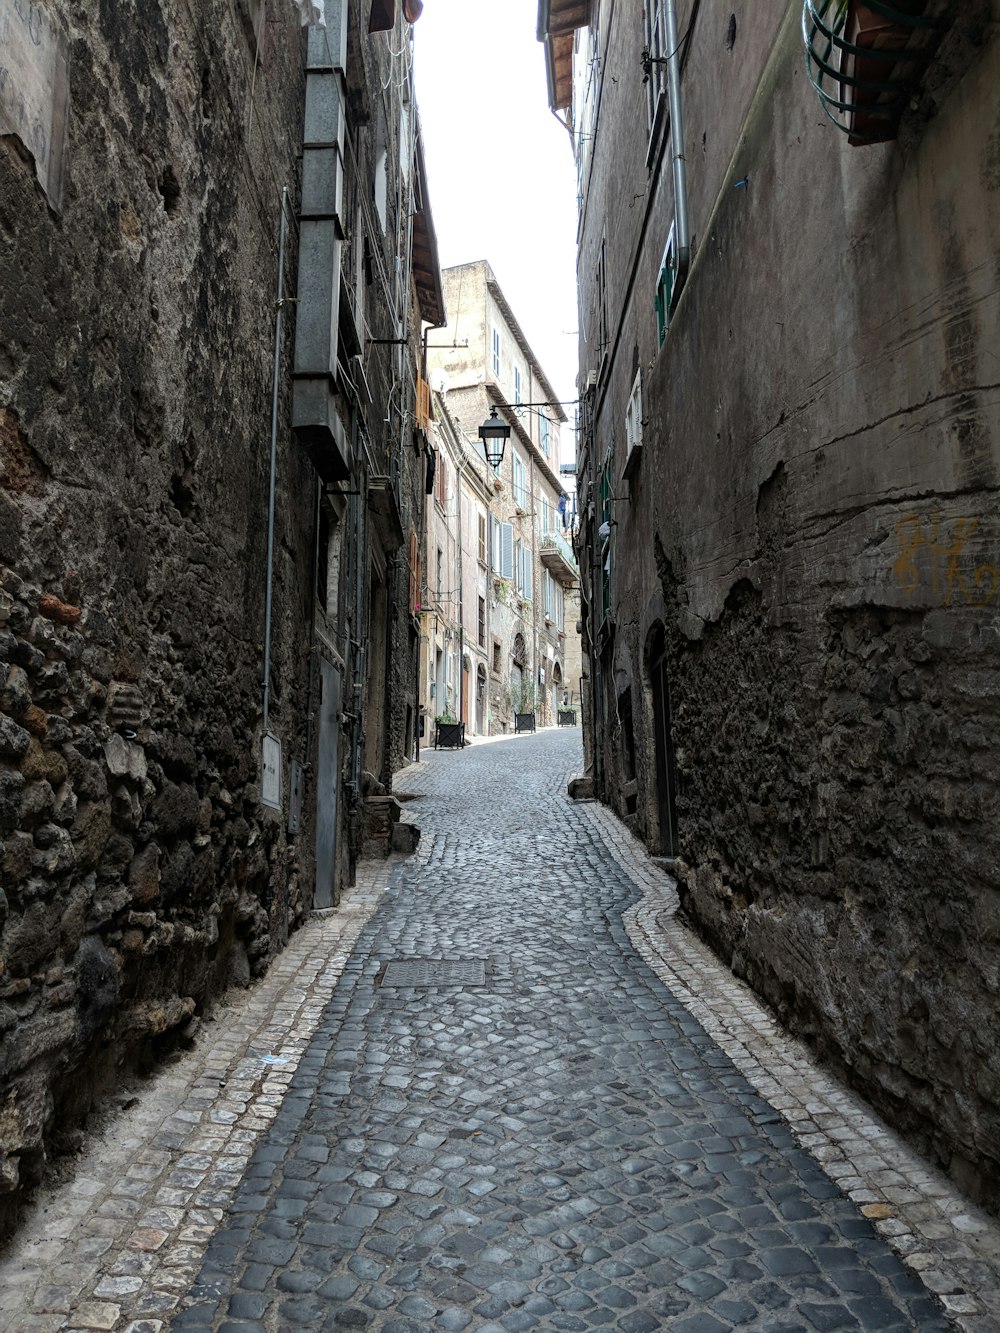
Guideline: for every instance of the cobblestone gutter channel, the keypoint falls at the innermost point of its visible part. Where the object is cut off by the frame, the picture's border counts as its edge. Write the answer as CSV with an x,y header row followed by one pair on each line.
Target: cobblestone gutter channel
x,y
601,1135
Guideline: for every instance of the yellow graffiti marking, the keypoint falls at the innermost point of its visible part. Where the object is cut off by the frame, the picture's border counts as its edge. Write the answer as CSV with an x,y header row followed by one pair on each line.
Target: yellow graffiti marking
x,y
943,561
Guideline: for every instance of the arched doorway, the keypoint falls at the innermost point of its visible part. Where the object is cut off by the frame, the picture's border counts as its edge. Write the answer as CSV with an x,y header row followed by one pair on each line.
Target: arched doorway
x,y
556,690
666,772
480,700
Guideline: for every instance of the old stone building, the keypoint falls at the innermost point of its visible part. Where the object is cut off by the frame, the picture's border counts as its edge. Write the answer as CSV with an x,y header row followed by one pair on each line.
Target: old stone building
x,y
455,599
789,470
209,464
484,363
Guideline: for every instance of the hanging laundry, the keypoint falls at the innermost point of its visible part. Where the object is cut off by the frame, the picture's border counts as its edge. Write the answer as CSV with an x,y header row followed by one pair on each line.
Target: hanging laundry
x,y
312,11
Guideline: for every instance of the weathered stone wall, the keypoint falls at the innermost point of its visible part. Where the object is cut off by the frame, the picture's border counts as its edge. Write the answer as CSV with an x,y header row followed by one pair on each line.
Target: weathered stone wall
x,y
814,522
140,873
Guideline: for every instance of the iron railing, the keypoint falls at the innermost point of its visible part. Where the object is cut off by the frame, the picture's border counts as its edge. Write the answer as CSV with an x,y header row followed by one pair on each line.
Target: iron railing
x,y
864,88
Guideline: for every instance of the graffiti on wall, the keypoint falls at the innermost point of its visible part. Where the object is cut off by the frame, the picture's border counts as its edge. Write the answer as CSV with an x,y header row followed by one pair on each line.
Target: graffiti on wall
x,y
933,559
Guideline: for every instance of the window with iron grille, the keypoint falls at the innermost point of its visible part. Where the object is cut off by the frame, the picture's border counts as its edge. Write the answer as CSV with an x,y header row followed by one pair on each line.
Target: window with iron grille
x,y
606,510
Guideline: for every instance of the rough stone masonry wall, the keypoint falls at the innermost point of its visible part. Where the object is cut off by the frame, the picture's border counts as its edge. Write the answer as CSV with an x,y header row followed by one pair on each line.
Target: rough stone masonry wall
x,y
140,875
818,500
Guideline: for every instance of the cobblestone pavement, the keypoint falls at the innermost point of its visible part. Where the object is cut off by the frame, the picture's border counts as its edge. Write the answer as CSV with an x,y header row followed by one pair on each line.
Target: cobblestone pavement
x,y
606,1132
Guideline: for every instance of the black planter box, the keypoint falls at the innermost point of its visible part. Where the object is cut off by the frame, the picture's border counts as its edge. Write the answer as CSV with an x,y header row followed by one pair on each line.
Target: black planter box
x,y
567,717
449,735
524,722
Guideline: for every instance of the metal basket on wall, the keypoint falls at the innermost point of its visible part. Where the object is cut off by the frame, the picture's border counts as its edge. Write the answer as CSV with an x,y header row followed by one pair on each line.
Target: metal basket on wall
x,y
866,60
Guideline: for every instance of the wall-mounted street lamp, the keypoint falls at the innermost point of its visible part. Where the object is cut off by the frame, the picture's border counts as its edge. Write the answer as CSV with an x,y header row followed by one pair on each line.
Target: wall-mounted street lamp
x,y
494,434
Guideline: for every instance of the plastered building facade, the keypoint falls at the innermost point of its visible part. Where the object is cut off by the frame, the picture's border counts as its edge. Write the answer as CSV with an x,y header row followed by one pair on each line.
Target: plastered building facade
x,y
789,462
483,362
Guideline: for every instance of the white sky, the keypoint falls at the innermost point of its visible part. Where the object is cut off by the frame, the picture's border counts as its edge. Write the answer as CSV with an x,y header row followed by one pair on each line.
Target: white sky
x,y
500,167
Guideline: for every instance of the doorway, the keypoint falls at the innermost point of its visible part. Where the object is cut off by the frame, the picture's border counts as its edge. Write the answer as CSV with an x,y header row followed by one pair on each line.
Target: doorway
x,y
666,771
480,700
327,785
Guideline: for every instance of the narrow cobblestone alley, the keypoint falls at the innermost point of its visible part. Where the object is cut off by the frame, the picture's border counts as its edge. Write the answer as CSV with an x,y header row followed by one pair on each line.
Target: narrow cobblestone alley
x,y
555,1142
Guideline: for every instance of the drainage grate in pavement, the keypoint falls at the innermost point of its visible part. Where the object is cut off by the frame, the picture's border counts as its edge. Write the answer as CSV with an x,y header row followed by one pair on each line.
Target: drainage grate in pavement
x,y
434,972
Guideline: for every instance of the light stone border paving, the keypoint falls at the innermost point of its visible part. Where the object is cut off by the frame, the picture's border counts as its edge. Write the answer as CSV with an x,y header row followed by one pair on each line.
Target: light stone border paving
x,y
951,1244
119,1246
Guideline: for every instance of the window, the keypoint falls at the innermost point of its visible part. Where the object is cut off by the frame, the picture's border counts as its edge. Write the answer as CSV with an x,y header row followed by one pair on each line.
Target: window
x,y
544,434
605,543
380,188
602,300
482,539
414,573
520,482
655,40
546,515
518,396
441,481
323,559
496,353
518,567
633,424
665,289
440,573
482,622
497,656
503,549
527,582
548,595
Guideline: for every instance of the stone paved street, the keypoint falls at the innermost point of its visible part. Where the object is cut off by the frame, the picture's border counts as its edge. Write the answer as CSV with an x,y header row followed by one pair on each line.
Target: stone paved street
x,y
558,1143
561,1146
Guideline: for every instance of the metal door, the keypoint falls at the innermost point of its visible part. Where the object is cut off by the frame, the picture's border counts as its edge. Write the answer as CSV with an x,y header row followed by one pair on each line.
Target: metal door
x,y
327,785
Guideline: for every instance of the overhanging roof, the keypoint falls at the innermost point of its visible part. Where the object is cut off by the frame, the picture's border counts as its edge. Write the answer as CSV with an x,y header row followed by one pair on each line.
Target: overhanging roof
x,y
426,265
558,21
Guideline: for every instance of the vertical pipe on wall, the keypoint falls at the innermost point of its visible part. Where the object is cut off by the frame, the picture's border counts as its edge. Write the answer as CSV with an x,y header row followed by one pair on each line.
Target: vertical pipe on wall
x,y
269,596
676,105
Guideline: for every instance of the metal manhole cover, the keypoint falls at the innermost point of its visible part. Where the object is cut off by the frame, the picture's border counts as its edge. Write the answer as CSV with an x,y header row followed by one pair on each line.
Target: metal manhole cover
x,y
434,972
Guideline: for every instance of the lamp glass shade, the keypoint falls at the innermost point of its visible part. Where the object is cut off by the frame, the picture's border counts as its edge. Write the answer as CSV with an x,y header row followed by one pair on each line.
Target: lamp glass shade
x,y
494,434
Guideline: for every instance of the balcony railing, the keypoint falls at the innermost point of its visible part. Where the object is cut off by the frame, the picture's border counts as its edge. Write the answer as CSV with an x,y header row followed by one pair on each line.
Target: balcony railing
x,y
558,558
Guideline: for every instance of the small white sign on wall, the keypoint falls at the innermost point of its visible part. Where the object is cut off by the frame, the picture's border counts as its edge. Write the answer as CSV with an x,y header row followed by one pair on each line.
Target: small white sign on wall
x,y
270,772
34,88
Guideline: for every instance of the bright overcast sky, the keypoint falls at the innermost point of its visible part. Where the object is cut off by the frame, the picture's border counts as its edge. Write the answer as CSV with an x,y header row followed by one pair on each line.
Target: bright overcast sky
x,y
500,166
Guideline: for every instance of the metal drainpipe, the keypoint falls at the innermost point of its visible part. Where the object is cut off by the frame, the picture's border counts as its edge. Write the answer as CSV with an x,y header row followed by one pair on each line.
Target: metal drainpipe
x,y
274,454
359,508
676,105
593,625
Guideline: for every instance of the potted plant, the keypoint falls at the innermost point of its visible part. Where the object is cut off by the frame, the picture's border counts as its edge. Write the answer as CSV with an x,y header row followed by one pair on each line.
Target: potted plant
x,y
523,700
449,733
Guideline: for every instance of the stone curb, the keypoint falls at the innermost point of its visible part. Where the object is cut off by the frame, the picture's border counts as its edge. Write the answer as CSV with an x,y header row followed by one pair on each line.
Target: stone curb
x,y
119,1246
953,1246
